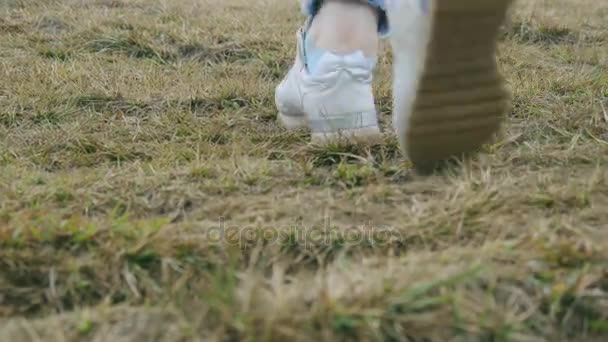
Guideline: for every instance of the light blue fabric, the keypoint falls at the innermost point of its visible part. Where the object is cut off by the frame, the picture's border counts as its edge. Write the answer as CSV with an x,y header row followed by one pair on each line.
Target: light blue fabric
x,y
314,55
311,7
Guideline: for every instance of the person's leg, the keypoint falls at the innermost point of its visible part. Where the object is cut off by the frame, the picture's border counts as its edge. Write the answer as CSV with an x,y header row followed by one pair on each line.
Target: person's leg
x,y
448,97
332,28
329,87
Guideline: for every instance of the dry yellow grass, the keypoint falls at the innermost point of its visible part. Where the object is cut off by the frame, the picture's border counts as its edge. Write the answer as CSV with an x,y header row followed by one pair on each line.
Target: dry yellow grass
x,y
133,132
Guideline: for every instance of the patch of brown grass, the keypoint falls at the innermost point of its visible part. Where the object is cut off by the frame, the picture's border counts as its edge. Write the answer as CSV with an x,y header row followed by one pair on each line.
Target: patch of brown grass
x,y
147,192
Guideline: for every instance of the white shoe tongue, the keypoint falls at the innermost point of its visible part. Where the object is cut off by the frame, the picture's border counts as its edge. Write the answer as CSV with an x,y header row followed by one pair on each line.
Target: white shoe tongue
x,y
330,61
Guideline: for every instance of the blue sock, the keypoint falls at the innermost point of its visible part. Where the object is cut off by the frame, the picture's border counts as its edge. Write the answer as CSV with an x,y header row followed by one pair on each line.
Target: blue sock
x,y
314,55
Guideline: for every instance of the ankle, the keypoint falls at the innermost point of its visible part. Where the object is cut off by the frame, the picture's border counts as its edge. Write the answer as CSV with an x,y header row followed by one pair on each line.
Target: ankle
x,y
344,26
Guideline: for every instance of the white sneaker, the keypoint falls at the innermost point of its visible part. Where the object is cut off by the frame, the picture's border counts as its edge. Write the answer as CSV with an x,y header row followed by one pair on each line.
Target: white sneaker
x,y
449,98
336,101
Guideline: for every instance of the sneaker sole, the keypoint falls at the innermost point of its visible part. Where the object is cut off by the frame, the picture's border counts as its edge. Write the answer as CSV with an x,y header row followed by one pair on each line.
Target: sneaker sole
x,y
460,98
293,122
362,136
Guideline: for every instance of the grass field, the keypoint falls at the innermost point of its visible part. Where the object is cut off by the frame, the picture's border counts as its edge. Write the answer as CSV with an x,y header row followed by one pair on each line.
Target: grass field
x,y
148,194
